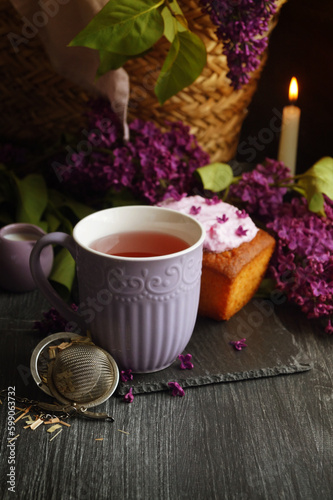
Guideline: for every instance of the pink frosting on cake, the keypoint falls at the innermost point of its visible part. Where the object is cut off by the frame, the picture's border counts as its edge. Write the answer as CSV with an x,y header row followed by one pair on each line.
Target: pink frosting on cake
x,y
226,226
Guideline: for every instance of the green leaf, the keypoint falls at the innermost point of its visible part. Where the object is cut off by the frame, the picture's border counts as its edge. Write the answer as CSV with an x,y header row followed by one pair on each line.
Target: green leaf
x,y
319,178
299,190
170,24
110,61
53,222
79,209
63,271
174,20
315,182
64,224
32,200
182,66
168,72
181,25
124,27
178,14
43,225
216,176
316,204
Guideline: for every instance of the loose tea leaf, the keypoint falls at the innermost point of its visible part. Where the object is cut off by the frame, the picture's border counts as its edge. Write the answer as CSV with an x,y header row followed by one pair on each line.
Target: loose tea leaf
x,y
54,428
36,424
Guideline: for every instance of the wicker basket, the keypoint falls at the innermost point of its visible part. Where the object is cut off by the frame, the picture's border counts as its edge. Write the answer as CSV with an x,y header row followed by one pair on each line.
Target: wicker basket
x,y
38,104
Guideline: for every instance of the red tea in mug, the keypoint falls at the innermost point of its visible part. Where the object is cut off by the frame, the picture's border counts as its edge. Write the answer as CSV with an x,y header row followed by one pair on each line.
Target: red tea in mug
x,y
139,244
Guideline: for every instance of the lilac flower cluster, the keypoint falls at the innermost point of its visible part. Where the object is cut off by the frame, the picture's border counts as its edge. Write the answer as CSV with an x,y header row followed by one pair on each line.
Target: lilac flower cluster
x,y
241,25
303,261
262,189
152,165
167,160
302,264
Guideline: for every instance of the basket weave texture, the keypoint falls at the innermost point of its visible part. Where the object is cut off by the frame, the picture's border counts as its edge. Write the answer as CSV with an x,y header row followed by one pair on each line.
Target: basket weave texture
x,y
38,104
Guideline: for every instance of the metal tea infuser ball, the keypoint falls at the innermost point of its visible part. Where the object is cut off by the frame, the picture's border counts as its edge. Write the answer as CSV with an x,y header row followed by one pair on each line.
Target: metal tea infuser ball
x,y
80,376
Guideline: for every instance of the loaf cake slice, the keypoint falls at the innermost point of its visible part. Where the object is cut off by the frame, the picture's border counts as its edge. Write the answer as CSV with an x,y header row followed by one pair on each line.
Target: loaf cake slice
x,y
235,258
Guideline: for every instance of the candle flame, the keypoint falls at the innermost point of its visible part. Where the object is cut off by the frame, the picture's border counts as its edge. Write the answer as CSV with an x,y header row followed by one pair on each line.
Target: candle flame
x,y
293,90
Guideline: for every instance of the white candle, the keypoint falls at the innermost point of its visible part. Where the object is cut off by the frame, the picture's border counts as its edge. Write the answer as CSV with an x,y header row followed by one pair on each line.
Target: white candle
x,y
289,129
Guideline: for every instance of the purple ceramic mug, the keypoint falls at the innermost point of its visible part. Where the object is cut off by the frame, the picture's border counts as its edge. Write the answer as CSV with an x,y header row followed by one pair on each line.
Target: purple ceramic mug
x,y
142,310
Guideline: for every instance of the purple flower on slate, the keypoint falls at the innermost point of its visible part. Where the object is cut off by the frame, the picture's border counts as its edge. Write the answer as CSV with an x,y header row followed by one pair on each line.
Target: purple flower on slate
x,y
126,375
195,210
238,344
177,390
241,214
223,219
129,397
53,322
240,231
185,361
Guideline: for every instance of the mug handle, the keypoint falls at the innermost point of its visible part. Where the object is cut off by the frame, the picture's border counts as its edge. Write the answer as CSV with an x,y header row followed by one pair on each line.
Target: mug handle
x,y
67,241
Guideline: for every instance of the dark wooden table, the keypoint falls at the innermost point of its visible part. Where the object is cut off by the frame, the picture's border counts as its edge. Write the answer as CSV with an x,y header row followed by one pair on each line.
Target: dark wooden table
x,y
268,438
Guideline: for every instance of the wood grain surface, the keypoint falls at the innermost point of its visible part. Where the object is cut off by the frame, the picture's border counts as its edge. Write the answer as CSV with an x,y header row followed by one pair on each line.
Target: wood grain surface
x,y
267,438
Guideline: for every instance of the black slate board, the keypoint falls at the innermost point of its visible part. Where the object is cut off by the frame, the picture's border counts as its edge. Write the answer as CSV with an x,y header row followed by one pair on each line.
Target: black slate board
x,y
271,350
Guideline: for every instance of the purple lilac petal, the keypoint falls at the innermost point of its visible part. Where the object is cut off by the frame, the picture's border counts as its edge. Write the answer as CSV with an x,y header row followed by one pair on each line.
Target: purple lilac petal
x,y
240,231
129,397
126,375
185,361
177,390
195,210
238,344
223,219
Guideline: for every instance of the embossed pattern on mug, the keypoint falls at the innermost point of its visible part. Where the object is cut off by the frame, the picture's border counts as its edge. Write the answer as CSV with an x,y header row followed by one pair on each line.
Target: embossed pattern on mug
x,y
151,307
